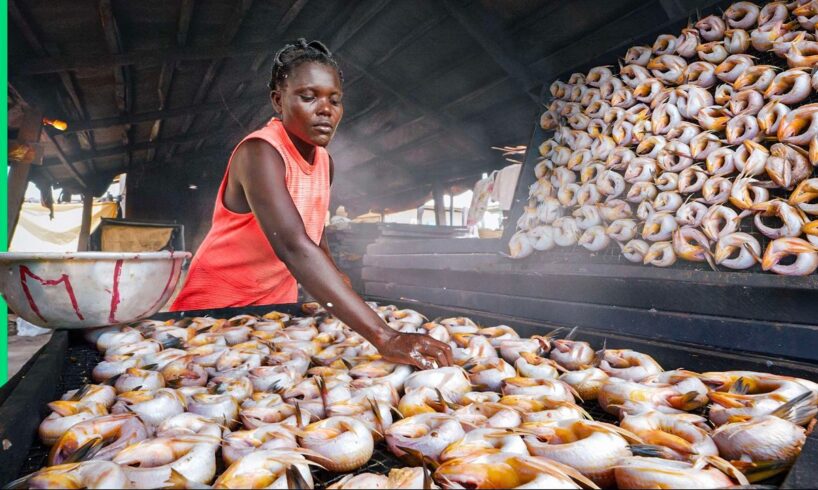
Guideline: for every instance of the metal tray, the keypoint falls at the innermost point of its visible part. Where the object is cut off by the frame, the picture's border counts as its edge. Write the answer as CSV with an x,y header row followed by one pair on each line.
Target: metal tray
x,y
66,361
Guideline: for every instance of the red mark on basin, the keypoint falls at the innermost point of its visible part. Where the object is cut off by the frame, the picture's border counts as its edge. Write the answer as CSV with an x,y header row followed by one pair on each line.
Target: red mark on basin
x,y
64,280
115,293
165,290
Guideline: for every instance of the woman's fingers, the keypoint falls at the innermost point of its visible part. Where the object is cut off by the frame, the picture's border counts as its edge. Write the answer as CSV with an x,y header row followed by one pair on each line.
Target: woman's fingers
x,y
418,350
440,352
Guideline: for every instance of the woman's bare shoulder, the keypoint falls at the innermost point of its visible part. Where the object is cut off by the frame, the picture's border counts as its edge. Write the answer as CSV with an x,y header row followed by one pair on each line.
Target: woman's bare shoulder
x,y
257,157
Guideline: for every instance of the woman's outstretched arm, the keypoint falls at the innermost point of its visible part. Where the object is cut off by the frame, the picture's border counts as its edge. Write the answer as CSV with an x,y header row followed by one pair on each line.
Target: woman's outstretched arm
x,y
259,169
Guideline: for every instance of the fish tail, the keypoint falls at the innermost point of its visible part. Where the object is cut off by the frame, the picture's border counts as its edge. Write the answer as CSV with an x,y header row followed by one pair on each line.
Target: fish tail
x,y
687,401
652,451
798,408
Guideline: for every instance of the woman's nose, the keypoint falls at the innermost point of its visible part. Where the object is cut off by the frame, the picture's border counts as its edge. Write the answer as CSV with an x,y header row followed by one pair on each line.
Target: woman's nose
x,y
325,108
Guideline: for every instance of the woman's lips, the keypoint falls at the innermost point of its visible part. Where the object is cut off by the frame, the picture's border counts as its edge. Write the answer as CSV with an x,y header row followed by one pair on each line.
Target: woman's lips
x,y
323,128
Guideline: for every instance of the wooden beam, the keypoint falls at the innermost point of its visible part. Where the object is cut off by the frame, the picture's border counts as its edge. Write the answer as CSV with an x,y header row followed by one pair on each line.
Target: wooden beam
x,y
444,121
290,15
30,102
114,42
76,108
144,58
166,75
72,169
107,122
286,20
487,31
231,29
405,41
440,208
148,145
30,131
363,13
85,224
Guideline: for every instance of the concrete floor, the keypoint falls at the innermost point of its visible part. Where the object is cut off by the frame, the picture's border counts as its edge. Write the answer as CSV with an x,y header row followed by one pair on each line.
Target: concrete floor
x,y
22,348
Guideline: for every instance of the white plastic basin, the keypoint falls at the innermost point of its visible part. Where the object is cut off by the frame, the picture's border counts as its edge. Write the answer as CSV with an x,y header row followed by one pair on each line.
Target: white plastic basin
x,y
88,289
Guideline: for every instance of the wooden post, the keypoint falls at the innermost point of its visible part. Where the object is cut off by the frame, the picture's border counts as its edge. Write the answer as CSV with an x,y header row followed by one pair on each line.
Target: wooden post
x,y
30,131
451,207
85,227
440,209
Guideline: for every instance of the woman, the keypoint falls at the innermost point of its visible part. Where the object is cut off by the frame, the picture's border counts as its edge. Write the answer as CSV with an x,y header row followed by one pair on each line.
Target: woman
x,y
268,221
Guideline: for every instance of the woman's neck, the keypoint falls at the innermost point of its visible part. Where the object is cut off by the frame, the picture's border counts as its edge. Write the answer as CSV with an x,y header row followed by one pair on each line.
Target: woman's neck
x,y
306,150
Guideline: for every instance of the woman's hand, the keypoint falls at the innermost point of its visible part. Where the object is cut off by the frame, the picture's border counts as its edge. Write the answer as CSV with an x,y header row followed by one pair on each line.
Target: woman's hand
x,y
416,350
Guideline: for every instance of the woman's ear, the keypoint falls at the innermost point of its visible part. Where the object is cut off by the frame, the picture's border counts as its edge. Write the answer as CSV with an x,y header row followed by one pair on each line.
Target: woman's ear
x,y
275,98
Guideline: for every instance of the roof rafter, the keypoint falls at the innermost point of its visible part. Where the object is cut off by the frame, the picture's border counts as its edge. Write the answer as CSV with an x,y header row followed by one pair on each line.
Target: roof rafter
x,y
363,13
166,75
33,101
147,145
487,31
107,122
441,119
86,139
122,74
231,29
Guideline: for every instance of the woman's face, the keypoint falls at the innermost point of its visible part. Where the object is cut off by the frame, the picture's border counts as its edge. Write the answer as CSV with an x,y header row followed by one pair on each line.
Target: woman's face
x,y
310,103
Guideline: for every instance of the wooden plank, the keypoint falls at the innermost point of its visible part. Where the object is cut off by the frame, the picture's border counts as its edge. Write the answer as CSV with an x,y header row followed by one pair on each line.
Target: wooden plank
x,y
85,225
670,355
785,340
24,409
440,210
439,245
763,304
805,469
31,128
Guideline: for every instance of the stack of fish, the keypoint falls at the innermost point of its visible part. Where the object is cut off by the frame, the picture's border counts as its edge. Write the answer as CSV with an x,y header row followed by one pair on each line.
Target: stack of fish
x,y
694,142
255,402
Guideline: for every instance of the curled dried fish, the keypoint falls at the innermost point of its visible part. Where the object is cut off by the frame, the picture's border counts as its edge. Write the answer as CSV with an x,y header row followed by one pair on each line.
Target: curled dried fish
x,y
712,52
638,55
736,41
789,87
711,28
742,15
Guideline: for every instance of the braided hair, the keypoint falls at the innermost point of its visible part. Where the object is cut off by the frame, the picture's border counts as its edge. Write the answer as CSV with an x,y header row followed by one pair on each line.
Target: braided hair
x,y
293,55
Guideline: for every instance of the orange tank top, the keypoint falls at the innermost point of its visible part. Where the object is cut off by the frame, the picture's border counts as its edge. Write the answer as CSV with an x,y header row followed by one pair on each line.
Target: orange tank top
x,y
236,265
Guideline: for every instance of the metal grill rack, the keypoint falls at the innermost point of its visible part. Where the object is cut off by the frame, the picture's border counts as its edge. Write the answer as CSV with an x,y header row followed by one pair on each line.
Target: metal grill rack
x,y
612,255
381,462
81,357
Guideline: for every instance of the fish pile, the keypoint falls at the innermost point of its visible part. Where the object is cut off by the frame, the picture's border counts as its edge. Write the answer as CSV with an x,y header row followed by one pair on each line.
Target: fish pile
x,y
259,402
694,142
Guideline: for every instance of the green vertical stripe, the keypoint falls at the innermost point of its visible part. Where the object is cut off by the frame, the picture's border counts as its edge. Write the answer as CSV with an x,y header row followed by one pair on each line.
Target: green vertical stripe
x,y
4,187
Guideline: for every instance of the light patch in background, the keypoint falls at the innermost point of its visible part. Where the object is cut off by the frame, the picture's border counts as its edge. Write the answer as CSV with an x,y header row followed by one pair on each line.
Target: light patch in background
x,y
492,220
